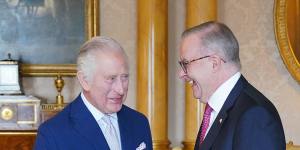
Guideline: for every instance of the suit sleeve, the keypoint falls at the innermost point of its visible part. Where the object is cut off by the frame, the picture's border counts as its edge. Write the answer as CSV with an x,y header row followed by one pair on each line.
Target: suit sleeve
x,y
258,129
44,139
149,136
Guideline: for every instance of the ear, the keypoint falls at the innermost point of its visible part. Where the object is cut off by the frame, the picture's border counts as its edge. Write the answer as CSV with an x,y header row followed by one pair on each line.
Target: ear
x,y
83,81
216,63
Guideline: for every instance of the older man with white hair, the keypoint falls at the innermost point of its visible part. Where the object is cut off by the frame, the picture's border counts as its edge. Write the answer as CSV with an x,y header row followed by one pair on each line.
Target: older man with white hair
x,y
97,119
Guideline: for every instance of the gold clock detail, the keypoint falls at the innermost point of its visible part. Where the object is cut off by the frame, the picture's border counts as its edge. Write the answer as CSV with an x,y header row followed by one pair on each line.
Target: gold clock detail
x,y
7,113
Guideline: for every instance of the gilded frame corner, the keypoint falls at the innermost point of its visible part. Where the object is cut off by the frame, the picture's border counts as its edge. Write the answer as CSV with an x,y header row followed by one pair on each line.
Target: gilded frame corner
x,y
282,39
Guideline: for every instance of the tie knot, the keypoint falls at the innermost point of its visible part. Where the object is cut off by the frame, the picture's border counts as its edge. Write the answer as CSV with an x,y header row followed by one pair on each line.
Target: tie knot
x,y
208,109
106,119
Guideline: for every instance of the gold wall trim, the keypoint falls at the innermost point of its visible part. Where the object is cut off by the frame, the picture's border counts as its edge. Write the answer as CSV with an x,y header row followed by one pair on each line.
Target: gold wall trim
x,y
160,145
48,70
290,146
25,133
92,29
92,18
188,145
283,42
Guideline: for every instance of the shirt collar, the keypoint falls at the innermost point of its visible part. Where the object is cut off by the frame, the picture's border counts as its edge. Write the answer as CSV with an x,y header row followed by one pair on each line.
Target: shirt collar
x,y
217,100
97,114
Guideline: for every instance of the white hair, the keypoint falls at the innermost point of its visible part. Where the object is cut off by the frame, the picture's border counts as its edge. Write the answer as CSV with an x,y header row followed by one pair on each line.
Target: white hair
x,y
86,60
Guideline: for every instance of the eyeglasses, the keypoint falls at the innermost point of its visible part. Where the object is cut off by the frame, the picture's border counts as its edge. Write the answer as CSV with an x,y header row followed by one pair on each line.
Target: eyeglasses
x,y
185,63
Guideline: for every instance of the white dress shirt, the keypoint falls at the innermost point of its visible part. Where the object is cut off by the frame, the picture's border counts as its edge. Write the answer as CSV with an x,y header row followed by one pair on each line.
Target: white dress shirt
x,y
98,115
218,98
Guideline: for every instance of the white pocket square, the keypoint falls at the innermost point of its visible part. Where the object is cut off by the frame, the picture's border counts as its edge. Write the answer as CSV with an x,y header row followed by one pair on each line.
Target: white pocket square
x,y
142,146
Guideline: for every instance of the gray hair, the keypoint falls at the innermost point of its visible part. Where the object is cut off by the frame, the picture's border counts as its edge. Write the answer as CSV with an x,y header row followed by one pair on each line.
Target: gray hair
x,y
86,60
218,38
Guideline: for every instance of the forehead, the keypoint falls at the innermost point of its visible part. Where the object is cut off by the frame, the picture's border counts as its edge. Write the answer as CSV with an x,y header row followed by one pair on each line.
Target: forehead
x,y
190,46
112,63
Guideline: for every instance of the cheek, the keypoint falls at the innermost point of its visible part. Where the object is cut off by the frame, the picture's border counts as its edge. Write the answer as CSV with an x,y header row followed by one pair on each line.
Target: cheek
x,y
100,90
200,73
125,85
194,74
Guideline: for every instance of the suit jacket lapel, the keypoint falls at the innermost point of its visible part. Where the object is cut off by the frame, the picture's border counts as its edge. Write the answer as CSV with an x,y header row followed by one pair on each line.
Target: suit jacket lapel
x,y
213,132
222,116
85,124
197,144
124,126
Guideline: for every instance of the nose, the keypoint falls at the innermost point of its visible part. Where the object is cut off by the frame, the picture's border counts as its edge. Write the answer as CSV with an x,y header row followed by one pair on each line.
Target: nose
x,y
183,76
119,87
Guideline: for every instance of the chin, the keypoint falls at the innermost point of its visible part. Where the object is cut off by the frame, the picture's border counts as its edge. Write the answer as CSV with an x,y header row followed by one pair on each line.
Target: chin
x,y
115,108
197,94
200,98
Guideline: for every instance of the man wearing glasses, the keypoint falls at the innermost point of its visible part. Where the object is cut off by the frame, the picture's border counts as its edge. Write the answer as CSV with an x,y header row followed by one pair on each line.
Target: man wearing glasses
x,y
237,116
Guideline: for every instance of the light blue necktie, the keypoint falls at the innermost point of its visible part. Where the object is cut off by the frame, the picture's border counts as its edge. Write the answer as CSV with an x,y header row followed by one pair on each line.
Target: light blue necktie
x,y
110,133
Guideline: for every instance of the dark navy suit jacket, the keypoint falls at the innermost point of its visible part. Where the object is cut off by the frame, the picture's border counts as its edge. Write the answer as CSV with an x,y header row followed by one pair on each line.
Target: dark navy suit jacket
x,y
247,121
74,128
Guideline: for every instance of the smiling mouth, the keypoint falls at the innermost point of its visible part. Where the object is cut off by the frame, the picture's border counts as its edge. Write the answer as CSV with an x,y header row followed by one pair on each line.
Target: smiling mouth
x,y
193,83
116,100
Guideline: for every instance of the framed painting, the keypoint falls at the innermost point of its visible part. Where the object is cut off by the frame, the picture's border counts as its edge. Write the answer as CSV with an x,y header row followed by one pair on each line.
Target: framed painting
x,y
287,32
45,35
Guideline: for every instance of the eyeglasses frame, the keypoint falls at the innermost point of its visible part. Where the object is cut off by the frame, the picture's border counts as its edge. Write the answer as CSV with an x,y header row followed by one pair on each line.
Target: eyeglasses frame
x,y
184,63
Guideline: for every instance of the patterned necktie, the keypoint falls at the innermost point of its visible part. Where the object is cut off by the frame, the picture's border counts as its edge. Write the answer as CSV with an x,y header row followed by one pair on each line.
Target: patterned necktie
x,y
111,134
205,122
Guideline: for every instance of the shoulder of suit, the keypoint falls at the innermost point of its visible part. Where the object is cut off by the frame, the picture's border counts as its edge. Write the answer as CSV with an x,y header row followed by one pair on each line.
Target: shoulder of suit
x,y
257,96
253,92
131,112
252,98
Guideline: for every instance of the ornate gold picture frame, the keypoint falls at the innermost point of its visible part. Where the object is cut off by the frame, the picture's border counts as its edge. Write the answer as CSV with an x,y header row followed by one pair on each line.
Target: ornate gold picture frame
x,y
91,18
283,30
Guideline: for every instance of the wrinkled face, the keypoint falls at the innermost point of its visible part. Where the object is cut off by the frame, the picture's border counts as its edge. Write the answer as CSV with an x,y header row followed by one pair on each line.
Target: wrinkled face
x,y
196,69
108,87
